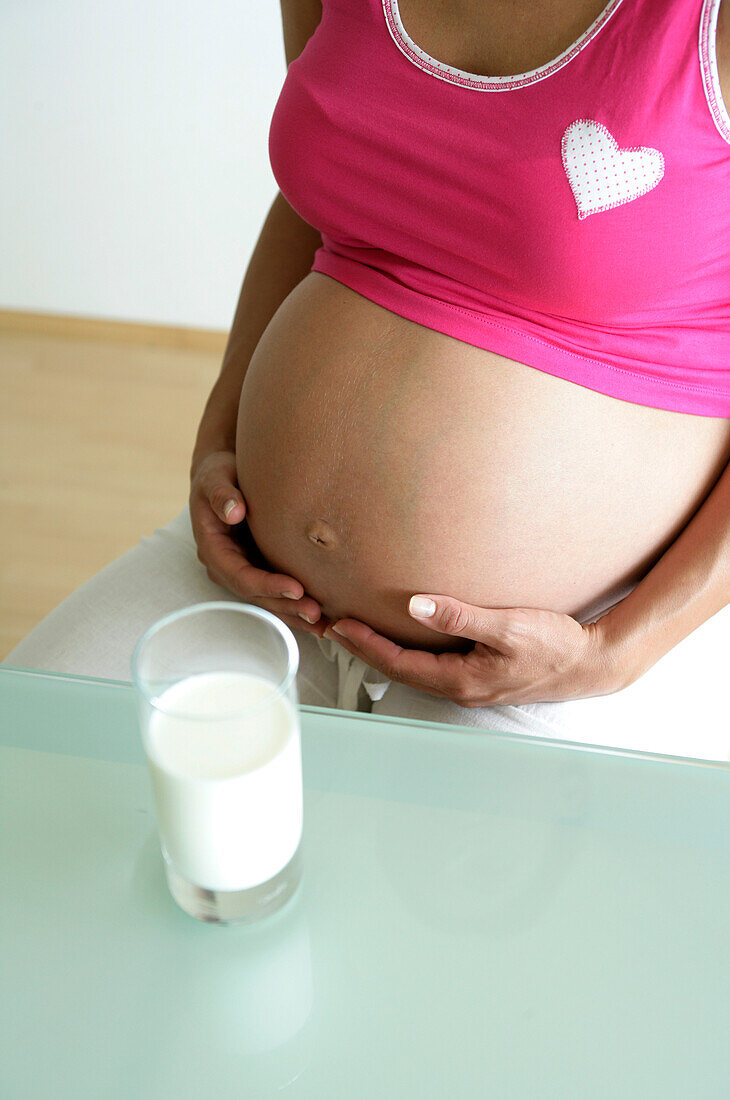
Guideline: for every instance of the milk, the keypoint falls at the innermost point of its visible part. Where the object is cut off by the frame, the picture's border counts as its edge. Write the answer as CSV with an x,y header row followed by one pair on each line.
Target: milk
x,y
228,791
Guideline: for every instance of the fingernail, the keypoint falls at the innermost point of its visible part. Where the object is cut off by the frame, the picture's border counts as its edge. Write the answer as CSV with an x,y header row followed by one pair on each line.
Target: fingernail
x,y
289,595
229,506
421,606
305,617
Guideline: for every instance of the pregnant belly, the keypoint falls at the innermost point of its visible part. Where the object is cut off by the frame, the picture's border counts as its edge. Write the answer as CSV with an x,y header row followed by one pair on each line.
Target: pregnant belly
x,y
379,459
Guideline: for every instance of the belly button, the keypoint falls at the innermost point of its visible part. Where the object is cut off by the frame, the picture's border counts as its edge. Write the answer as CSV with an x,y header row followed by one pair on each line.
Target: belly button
x,y
321,534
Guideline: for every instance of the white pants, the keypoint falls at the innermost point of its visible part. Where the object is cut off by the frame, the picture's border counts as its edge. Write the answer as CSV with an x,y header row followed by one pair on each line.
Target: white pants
x,y
678,707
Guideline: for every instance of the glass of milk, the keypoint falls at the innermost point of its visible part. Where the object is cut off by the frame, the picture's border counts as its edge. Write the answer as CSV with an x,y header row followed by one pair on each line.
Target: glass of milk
x,y
218,711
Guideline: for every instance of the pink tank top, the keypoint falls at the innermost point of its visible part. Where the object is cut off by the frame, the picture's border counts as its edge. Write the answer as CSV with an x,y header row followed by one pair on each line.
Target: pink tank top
x,y
575,218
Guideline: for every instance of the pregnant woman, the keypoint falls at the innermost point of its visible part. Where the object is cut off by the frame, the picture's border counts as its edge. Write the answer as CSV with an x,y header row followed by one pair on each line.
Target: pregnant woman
x,y
482,354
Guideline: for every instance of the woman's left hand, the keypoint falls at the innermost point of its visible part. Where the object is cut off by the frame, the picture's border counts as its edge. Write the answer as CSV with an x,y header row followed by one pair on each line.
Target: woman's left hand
x,y
521,655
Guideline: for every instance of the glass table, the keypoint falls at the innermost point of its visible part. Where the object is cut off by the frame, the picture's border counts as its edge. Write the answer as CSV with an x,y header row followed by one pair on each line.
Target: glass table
x,y
481,915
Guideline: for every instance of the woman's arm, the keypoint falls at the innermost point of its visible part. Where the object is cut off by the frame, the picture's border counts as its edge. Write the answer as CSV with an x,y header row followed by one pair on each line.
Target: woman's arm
x,y
688,585
282,257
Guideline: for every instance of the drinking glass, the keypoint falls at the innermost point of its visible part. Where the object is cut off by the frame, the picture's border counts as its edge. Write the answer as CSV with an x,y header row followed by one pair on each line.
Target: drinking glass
x,y
218,713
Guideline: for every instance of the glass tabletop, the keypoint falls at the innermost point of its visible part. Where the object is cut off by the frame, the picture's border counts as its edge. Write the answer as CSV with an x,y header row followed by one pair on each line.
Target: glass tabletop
x,y
480,915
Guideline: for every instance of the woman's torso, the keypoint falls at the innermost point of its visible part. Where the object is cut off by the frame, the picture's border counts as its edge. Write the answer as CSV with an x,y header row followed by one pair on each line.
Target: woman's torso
x,y
379,458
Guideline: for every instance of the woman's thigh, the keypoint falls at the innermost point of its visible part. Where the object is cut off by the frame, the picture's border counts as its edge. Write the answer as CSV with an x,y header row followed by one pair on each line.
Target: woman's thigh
x,y
677,707
93,631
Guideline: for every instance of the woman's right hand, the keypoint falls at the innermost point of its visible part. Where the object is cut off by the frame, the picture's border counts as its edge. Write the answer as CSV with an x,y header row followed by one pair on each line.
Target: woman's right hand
x,y
213,484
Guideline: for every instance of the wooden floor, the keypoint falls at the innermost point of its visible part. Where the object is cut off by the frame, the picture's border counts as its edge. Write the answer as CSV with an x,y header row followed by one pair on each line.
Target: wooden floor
x,y
97,435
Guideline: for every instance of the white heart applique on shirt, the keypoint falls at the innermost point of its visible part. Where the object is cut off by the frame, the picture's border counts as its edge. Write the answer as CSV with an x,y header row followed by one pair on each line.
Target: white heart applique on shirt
x,y
600,174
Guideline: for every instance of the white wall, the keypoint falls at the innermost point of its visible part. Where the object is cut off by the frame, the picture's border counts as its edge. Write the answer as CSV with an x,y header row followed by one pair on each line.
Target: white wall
x,y
134,171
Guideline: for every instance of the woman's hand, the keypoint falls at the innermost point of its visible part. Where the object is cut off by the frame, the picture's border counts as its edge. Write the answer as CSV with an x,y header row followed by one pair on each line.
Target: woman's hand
x,y
521,655
213,484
